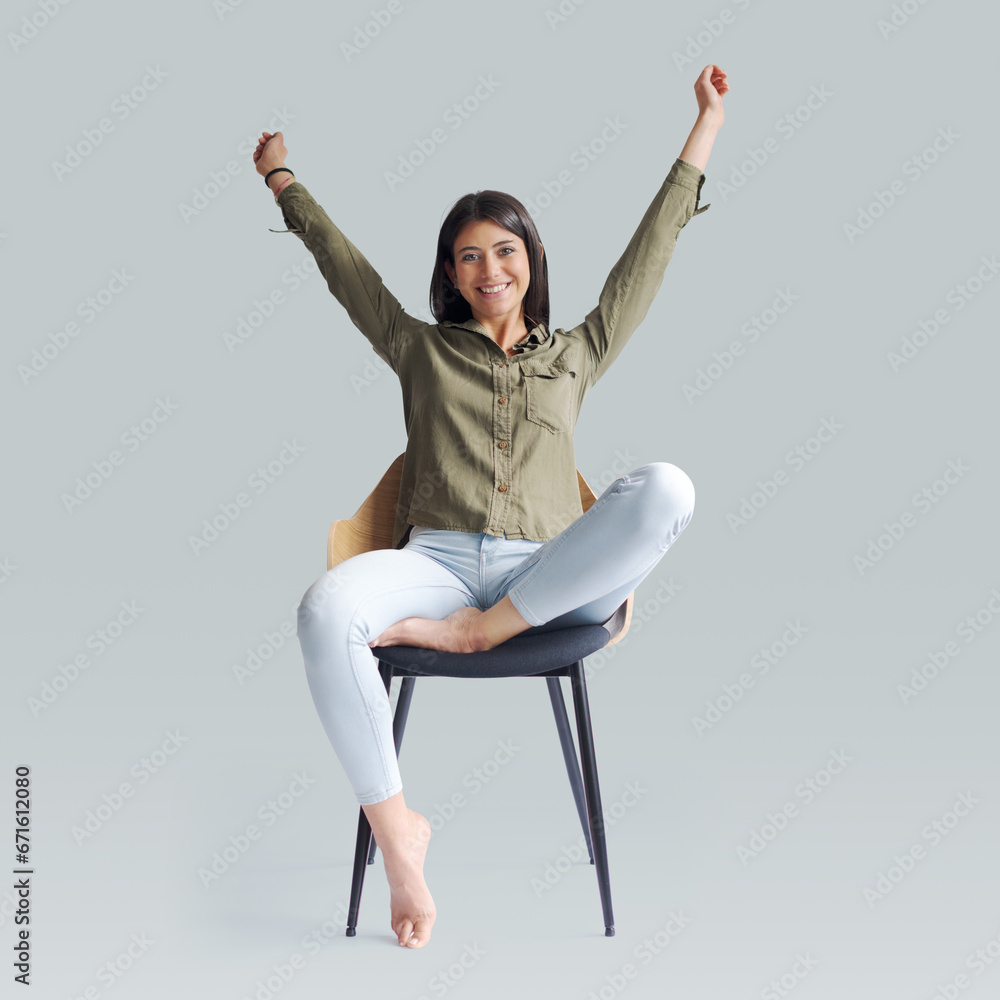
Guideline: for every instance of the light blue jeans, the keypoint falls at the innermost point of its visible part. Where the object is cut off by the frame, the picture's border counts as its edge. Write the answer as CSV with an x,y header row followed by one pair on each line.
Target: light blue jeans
x,y
579,577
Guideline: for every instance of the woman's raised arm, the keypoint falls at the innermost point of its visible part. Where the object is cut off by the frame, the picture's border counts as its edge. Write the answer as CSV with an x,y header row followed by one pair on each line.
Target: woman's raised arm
x,y
373,309
636,278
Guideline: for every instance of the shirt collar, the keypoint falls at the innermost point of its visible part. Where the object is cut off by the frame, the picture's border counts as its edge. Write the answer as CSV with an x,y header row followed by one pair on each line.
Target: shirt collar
x,y
535,336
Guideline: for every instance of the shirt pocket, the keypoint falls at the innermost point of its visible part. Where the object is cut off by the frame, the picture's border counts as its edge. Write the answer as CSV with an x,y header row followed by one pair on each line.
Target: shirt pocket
x,y
549,388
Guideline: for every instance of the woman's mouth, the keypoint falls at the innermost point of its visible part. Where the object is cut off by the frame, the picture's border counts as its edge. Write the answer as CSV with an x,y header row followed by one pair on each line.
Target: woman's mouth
x,y
492,291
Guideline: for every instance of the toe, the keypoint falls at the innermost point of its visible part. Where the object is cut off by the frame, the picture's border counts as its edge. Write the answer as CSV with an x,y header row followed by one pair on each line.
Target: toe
x,y
421,934
403,931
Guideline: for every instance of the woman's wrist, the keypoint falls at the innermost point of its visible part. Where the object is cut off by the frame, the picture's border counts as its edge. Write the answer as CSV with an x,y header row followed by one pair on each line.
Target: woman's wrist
x,y
709,120
699,143
276,179
288,181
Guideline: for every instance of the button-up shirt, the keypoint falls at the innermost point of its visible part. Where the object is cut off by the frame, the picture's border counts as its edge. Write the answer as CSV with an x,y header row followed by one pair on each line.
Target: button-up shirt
x,y
490,437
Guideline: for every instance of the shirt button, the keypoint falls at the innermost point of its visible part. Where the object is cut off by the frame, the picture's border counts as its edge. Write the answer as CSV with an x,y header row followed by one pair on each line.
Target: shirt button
x,y
502,399
502,488
502,445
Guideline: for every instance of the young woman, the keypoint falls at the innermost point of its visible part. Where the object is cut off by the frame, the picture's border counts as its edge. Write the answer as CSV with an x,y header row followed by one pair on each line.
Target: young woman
x,y
490,536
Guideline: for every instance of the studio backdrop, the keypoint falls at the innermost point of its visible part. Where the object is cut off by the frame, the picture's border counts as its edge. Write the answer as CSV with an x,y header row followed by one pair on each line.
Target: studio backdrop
x,y
796,740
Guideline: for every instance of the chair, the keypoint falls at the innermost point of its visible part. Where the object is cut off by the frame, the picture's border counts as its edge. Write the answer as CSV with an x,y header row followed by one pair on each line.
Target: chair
x,y
553,654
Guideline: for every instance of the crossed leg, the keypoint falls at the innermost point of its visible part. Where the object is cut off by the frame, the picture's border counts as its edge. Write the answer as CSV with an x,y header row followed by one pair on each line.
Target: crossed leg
x,y
578,577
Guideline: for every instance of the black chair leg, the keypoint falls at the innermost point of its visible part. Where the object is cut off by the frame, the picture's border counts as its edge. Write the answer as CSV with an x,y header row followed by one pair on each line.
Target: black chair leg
x,y
569,755
589,760
358,878
364,847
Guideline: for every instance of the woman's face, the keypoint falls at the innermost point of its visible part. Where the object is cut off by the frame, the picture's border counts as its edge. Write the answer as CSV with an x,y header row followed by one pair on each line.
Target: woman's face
x,y
491,269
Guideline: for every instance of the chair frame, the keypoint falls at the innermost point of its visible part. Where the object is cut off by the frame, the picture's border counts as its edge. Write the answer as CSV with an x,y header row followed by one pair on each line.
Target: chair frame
x,y
371,527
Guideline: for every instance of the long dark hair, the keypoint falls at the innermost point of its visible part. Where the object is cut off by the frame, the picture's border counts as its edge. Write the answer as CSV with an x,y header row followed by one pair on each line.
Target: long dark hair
x,y
507,212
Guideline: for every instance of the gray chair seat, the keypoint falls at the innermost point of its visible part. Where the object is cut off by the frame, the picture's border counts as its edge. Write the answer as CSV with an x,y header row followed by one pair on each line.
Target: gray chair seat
x,y
530,653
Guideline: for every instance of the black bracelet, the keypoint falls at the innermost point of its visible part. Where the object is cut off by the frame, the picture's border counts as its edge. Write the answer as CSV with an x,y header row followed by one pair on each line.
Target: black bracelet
x,y
276,170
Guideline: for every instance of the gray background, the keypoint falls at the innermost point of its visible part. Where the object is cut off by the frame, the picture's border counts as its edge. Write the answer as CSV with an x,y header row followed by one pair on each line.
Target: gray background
x,y
675,848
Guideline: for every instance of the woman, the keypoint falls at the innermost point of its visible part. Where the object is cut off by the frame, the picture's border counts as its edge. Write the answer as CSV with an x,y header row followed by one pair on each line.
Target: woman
x,y
490,537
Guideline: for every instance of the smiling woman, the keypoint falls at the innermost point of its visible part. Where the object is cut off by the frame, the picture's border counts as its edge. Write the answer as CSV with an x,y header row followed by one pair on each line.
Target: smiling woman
x,y
489,249
491,396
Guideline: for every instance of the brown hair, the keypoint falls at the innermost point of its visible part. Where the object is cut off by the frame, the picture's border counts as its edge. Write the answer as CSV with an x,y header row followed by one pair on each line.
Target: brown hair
x,y
507,212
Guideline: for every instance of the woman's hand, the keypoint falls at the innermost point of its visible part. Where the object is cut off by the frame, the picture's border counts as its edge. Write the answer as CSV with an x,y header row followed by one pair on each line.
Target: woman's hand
x,y
270,152
709,89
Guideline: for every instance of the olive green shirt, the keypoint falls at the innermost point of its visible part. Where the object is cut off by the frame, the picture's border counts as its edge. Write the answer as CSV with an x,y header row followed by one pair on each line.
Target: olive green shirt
x,y
490,438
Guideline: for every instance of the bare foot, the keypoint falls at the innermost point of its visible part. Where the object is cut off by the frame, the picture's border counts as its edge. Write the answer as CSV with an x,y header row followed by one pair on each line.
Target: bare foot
x,y
411,906
456,633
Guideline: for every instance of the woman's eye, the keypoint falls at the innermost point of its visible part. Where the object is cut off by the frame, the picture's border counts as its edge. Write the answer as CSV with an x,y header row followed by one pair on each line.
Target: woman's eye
x,y
471,256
